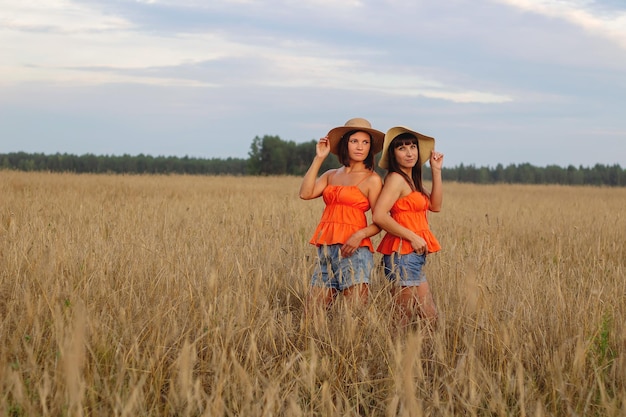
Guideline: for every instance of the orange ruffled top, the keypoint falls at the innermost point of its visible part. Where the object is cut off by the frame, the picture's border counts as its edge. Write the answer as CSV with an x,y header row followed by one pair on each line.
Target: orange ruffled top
x,y
343,215
409,211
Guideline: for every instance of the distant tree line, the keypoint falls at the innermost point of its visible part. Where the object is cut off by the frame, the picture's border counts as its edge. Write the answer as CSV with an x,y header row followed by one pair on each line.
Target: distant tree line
x,y
270,155
124,164
599,174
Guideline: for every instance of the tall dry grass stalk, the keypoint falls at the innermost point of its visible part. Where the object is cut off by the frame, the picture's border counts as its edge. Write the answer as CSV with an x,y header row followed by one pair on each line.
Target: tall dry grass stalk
x,y
183,295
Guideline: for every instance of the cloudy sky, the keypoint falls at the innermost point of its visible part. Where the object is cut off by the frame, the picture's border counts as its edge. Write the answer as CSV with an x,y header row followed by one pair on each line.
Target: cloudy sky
x,y
494,81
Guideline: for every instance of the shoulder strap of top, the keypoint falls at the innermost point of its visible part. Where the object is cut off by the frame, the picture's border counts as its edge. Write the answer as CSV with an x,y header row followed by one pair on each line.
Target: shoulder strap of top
x,y
364,178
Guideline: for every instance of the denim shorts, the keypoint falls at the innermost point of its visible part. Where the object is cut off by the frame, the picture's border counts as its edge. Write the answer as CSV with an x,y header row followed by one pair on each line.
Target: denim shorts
x,y
405,270
336,272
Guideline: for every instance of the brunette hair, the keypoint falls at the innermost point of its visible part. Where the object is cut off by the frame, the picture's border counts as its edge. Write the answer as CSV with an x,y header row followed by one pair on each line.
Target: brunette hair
x,y
344,156
415,181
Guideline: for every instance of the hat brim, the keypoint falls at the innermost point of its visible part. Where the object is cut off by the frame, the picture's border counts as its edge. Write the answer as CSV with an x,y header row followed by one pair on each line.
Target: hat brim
x,y
335,135
425,145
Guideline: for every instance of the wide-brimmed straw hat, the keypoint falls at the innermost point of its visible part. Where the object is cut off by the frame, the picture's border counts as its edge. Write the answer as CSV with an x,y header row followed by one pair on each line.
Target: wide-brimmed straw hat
x,y
357,124
425,144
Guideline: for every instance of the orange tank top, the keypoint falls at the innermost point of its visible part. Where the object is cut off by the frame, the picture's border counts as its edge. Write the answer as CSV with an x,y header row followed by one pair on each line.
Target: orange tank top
x,y
411,212
343,215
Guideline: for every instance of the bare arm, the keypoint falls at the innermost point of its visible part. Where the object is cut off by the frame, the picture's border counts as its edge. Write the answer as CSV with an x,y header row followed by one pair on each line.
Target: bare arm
x,y
436,194
312,186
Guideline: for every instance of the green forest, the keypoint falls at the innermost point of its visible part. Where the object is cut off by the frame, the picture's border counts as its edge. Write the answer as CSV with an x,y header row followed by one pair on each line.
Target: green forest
x,y
270,155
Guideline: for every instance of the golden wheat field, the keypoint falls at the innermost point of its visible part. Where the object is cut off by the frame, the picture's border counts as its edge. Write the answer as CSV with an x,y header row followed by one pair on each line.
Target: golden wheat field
x,y
183,296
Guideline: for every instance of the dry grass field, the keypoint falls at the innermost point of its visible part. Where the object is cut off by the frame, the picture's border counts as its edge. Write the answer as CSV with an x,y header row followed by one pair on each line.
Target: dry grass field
x,y
183,296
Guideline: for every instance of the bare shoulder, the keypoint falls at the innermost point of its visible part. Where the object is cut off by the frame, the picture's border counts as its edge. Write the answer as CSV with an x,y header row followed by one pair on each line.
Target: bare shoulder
x,y
329,173
396,185
393,179
375,180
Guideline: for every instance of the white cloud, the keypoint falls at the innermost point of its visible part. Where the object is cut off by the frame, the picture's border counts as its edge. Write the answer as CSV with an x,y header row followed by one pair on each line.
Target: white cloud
x,y
344,75
92,47
266,4
63,16
342,4
100,55
52,41
580,13
295,66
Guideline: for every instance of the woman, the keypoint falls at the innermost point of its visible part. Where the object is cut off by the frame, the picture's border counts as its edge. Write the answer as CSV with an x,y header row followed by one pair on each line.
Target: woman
x,y
345,252
401,210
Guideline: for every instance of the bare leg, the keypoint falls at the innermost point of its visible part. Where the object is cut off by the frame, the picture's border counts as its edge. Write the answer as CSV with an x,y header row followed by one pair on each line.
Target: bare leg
x,y
319,298
412,300
357,294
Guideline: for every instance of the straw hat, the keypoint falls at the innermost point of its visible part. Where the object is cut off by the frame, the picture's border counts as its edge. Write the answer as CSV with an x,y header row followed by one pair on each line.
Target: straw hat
x,y
425,144
360,124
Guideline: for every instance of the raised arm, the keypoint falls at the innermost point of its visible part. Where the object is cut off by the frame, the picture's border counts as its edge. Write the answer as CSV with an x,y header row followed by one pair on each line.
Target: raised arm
x,y
312,186
436,194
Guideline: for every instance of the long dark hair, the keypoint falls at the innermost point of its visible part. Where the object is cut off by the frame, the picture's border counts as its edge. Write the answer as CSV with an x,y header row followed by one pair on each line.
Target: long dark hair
x,y
415,181
344,155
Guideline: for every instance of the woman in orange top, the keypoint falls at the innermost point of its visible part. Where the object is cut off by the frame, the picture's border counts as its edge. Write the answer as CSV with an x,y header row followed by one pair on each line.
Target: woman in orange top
x,y
401,210
345,252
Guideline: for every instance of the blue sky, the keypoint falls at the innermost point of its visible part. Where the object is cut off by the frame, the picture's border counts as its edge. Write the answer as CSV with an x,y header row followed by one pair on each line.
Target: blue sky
x,y
494,81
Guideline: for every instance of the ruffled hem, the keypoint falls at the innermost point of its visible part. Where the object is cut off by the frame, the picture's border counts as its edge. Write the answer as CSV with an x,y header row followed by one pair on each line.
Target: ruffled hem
x,y
391,243
337,233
